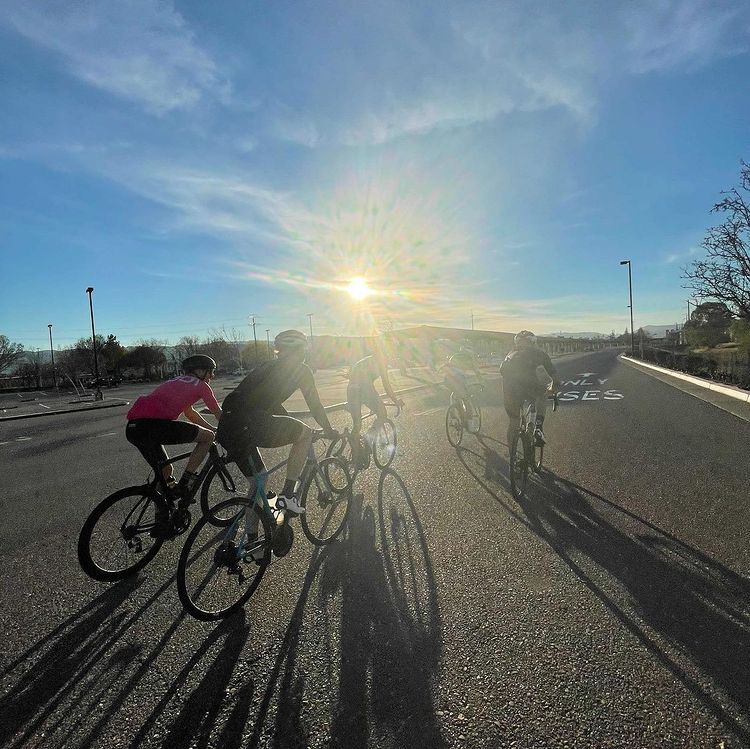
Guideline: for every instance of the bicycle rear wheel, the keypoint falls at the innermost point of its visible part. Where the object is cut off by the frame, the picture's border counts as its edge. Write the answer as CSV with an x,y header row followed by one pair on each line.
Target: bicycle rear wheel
x,y
214,491
384,447
519,463
454,425
121,535
220,568
326,499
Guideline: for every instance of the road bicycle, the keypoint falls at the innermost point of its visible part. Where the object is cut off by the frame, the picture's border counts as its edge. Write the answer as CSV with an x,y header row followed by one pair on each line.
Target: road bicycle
x,y
125,531
229,549
456,417
377,444
531,455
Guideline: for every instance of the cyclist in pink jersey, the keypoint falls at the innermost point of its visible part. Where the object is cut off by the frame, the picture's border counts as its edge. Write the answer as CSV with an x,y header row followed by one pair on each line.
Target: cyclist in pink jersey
x,y
152,419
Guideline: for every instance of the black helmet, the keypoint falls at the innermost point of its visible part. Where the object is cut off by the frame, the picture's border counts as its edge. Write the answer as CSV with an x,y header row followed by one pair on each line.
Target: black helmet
x,y
524,337
290,340
198,361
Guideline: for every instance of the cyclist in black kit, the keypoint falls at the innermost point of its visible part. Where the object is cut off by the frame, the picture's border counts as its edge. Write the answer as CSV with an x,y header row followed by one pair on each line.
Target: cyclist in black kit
x,y
361,392
520,382
253,415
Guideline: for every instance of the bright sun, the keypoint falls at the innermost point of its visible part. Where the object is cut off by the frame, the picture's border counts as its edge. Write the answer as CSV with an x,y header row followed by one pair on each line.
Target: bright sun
x,y
358,289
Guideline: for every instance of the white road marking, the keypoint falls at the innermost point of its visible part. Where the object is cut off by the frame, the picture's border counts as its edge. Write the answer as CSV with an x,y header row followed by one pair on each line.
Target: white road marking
x,y
430,411
22,439
106,434
43,406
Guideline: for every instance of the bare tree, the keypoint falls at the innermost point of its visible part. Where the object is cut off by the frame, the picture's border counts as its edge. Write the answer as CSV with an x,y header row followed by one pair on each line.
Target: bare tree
x,y
10,352
725,274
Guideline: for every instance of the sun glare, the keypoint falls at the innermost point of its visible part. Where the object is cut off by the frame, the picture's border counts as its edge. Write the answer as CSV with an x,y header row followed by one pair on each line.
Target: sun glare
x,y
358,289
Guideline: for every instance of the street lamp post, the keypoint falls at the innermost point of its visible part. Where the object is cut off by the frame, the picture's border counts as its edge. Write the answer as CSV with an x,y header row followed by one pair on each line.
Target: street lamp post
x,y
630,290
268,341
52,354
310,317
98,393
255,338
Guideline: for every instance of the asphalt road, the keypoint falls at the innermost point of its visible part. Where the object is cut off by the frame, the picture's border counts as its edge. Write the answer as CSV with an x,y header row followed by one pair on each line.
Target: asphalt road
x,y
607,609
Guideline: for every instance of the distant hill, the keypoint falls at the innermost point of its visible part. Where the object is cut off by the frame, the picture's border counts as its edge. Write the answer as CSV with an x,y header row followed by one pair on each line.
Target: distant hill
x,y
564,334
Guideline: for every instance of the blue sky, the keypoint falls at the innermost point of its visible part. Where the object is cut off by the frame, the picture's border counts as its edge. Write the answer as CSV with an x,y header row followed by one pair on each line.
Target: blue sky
x,y
197,163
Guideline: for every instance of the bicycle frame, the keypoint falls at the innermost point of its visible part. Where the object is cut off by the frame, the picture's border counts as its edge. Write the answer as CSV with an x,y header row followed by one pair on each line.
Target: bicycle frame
x,y
260,497
214,458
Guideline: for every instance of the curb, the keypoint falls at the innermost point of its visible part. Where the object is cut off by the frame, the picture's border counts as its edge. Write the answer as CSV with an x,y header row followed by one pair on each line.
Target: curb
x,y
63,411
741,395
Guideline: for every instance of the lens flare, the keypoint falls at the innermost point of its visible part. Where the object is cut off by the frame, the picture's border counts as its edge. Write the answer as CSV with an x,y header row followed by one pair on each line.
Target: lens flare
x,y
358,289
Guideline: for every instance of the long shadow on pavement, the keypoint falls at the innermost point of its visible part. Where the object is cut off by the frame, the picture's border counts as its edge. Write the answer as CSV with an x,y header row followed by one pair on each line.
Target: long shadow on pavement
x,y
688,610
390,640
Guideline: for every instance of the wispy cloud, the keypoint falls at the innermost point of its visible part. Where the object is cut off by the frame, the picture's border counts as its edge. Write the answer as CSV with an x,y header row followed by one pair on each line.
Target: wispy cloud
x,y
140,50
681,256
684,33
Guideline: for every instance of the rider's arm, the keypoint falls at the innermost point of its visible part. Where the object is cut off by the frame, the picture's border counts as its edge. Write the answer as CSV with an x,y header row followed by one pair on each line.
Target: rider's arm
x,y
550,369
192,415
389,391
210,400
310,393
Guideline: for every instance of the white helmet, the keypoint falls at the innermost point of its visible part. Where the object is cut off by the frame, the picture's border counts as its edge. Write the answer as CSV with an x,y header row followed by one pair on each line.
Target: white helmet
x,y
290,340
524,337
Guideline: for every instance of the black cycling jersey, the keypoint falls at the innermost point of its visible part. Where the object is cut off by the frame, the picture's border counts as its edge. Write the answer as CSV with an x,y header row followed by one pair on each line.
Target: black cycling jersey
x,y
462,360
521,364
365,370
267,386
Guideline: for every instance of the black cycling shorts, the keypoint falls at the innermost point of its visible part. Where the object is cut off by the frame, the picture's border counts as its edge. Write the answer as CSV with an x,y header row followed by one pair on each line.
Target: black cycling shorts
x,y
241,437
516,392
455,381
150,435
360,394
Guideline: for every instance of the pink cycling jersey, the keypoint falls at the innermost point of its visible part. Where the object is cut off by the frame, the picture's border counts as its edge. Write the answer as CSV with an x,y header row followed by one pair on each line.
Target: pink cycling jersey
x,y
171,398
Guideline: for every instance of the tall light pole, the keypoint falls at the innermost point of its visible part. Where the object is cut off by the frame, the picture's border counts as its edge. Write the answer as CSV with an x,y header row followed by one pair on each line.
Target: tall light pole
x,y
630,290
268,341
255,338
98,394
310,317
52,354
472,319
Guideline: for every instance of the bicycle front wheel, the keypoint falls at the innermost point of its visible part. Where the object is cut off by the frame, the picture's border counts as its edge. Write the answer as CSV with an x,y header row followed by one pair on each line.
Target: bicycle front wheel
x,y
454,425
224,481
384,447
121,535
326,499
221,566
519,465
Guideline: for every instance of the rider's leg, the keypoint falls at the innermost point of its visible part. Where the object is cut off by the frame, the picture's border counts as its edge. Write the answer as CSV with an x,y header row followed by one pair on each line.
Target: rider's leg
x,y
514,424
204,438
298,456
541,407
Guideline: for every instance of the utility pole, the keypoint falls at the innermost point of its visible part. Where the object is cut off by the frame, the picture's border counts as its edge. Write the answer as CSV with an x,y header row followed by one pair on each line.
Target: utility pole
x,y
268,341
630,290
52,354
472,319
98,393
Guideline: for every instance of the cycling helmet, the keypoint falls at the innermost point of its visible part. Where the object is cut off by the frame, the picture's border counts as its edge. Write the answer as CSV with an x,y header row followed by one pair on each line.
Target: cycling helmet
x,y
524,337
290,340
198,361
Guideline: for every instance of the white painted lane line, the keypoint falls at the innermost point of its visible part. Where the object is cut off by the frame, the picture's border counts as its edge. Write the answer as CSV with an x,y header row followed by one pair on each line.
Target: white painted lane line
x,y
107,434
431,411
22,439
43,406
4,443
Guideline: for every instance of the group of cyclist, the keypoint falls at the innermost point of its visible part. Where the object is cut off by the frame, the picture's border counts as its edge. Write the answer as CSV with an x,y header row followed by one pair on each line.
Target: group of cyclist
x,y
253,416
